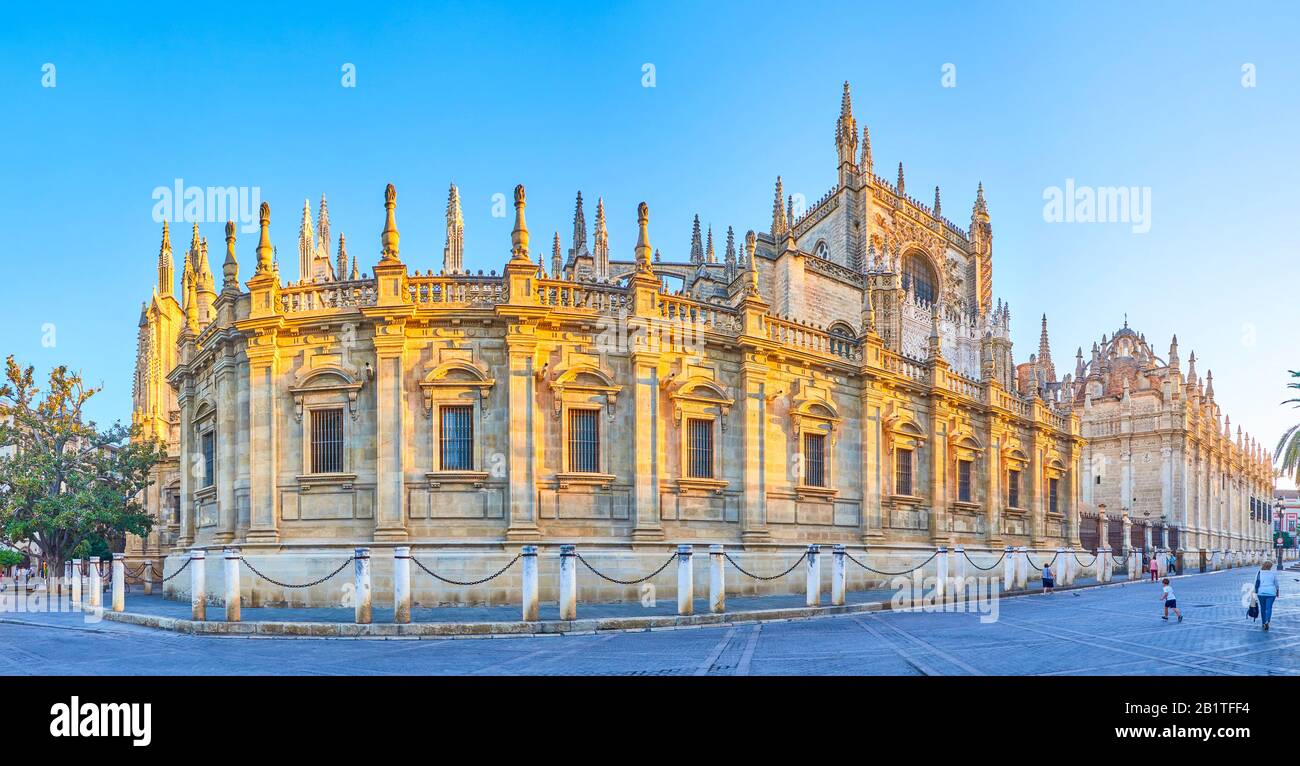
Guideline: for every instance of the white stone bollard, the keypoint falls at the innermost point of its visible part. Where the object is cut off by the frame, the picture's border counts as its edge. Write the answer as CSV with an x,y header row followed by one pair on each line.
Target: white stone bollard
x,y
1102,565
685,580
361,569
1057,566
717,579
528,588
1216,561
959,562
147,574
402,584
568,583
75,581
198,586
838,576
96,588
67,579
1132,564
231,563
1022,568
1162,564
1008,567
941,574
814,566
118,573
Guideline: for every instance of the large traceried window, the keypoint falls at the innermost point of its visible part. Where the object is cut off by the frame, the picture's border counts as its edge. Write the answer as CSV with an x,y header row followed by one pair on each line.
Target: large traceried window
x,y
327,440
584,441
919,278
457,437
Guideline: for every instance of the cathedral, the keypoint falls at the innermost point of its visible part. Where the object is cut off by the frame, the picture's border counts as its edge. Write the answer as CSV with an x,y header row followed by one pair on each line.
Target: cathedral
x,y
843,375
1159,450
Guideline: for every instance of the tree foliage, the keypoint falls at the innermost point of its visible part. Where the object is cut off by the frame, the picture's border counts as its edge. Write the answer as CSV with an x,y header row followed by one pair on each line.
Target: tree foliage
x,y
1288,447
69,485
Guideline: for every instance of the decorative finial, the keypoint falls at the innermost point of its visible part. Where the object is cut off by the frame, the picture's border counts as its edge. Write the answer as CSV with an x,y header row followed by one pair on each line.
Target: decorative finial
x,y
230,268
519,235
390,238
265,253
643,252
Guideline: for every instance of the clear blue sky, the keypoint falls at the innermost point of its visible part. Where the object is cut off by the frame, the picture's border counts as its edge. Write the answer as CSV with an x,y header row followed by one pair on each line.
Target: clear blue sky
x,y
490,95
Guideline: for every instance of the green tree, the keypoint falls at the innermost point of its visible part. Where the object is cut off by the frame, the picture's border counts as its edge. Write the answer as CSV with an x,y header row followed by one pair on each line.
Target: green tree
x,y
69,486
10,558
1288,447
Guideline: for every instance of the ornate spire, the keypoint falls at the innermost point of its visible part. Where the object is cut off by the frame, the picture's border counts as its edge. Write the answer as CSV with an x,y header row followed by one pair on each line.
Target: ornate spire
x,y
1045,354
779,223
166,274
191,302
557,263
1191,368
265,253
981,207
519,235
579,230
938,207
323,230
453,252
205,282
902,191
230,268
697,249
390,239
192,255
846,136
643,237
343,258
353,275
730,255
601,253
1209,385
935,342
1173,353
306,241
865,163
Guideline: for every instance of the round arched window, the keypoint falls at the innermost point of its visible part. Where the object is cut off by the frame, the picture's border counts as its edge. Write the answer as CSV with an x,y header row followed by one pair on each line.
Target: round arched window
x,y
822,250
919,277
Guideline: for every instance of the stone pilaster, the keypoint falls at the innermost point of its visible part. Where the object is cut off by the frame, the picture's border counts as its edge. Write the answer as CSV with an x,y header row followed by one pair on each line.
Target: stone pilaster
x,y
225,370
390,429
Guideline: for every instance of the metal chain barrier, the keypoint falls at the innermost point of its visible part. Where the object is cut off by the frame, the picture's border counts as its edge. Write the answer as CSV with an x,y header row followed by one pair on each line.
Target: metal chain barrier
x,y
988,568
603,576
173,574
349,560
1050,561
891,574
747,573
1080,561
492,576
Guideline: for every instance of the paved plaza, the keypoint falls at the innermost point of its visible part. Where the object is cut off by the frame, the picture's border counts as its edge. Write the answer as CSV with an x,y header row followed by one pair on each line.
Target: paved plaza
x,y
1113,630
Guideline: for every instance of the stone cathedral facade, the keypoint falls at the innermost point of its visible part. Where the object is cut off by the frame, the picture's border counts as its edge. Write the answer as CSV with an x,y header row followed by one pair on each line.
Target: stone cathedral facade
x,y
1159,449
842,376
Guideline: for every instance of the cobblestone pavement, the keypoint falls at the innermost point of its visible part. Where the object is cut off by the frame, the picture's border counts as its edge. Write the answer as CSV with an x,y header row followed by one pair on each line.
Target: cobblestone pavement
x,y
1103,631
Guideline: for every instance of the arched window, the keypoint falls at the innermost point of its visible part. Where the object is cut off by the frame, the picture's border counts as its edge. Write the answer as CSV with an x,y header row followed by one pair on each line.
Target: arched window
x,y
822,250
919,278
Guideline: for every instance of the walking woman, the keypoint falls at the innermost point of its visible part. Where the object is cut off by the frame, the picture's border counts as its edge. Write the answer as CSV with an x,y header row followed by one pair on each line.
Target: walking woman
x,y
1266,588
1154,567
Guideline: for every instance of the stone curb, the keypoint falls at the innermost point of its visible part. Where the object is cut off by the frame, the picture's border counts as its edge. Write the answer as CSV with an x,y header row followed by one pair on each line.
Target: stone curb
x,y
499,629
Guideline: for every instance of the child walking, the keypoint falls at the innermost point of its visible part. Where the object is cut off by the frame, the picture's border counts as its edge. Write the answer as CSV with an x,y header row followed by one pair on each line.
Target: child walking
x,y
1167,593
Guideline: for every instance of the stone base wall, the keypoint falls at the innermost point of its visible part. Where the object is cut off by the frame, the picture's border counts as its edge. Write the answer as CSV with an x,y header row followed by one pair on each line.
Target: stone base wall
x,y
467,563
